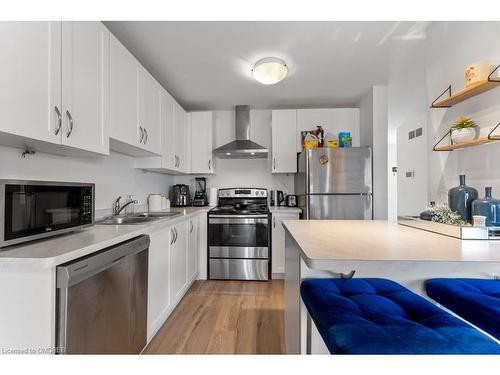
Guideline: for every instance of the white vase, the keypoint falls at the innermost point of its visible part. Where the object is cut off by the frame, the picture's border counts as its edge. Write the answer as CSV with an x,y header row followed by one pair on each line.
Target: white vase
x,y
463,135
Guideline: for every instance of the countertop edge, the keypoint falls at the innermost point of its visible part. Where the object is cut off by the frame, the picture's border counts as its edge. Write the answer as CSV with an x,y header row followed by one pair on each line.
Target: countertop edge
x,y
135,230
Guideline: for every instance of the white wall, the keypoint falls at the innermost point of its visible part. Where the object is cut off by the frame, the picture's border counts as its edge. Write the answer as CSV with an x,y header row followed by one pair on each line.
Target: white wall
x,y
240,172
373,132
408,106
113,175
450,47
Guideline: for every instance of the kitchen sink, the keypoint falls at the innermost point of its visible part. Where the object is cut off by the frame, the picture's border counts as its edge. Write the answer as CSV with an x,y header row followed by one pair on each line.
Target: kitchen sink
x,y
157,214
139,218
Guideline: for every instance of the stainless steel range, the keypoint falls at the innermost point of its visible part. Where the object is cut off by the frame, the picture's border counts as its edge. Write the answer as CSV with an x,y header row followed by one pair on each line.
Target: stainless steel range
x,y
239,236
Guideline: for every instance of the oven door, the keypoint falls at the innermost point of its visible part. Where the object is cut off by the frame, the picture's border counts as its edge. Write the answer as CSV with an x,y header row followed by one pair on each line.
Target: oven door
x,y
33,209
238,236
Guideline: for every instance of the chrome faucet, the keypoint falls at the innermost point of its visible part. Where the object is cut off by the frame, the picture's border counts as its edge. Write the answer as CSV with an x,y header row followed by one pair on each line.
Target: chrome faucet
x,y
116,207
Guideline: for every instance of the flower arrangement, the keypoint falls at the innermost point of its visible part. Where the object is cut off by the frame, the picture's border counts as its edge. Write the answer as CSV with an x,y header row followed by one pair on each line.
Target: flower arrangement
x,y
441,213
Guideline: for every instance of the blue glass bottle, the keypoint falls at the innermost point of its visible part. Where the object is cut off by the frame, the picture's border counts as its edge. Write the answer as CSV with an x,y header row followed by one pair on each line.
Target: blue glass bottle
x,y
489,207
460,199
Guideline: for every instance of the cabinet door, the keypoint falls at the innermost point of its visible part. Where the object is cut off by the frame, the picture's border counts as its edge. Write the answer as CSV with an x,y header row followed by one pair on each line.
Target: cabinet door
x,y
149,112
85,86
284,134
201,142
30,76
153,128
278,241
193,245
123,94
178,261
180,137
168,131
158,277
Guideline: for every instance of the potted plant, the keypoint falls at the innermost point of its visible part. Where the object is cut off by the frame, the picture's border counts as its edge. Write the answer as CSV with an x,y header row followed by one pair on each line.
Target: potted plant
x,y
463,130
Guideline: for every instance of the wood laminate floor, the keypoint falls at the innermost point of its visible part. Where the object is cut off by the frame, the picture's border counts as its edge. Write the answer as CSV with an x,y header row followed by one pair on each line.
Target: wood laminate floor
x,y
225,317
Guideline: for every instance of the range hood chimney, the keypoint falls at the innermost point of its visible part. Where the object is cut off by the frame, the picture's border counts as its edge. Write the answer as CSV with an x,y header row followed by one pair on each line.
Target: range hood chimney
x,y
242,147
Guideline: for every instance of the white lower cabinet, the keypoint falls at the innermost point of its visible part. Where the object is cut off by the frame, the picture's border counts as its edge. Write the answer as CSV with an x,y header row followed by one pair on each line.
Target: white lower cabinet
x,y
158,280
193,249
178,260
278,240
173,266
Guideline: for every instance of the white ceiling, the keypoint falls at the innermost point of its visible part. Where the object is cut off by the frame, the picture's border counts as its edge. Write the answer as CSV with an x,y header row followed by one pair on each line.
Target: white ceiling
x,y
206,65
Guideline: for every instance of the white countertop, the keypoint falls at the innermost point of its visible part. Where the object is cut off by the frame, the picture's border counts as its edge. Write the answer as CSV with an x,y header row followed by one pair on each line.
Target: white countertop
x,y
377,240
285,209
63,248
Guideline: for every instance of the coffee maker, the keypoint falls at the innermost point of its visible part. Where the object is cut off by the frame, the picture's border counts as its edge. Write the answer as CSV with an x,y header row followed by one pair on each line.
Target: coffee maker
x,y
200,195
180,196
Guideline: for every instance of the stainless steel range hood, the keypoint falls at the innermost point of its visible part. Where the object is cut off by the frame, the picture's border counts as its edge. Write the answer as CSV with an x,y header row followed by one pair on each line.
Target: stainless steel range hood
x,y
242,147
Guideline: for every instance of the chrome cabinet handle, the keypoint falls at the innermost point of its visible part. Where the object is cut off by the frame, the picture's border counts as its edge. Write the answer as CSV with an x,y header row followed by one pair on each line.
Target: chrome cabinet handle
x,y
59,120
209,164
146,139
274,222
142,134
175,238
70,130
172,236
192,227
274,163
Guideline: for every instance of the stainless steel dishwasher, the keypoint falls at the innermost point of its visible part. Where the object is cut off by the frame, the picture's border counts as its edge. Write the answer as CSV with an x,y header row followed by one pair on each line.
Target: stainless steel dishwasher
x,y
102,301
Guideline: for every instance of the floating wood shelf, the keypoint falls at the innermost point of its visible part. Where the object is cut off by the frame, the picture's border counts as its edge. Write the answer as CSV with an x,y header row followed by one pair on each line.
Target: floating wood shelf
x,y
473,90
474,142
455,146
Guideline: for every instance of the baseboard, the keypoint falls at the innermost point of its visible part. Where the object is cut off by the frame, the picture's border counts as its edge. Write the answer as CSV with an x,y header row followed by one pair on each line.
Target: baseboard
x,y
278,276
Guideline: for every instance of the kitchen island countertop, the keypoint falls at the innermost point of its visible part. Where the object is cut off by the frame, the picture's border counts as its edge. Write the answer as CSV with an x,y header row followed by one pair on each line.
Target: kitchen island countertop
x,y
320,241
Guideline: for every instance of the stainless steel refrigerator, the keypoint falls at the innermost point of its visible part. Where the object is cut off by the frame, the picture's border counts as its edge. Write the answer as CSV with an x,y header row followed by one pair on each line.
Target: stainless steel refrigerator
x,y
335,183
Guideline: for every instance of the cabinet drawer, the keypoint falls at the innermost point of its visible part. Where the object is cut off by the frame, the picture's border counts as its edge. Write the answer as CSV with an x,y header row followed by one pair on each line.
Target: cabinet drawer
x,y
239,269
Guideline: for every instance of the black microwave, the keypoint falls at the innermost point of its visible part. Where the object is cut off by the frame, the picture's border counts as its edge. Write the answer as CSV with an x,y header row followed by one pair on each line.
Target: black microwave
x,y
30,210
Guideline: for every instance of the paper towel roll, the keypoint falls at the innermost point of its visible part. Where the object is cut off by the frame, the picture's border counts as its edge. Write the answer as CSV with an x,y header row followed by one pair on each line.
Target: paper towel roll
x,y
212,197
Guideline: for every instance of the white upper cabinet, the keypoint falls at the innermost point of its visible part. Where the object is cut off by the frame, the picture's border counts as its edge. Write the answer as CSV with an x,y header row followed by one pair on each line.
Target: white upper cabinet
x,y
135,98
85,86
180,125
284,141
149,112
124,70
55,84
201,142
169,159
30,76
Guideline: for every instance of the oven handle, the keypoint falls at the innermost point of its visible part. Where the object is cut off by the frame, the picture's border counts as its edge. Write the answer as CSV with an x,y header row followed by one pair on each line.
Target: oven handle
x,y
238,220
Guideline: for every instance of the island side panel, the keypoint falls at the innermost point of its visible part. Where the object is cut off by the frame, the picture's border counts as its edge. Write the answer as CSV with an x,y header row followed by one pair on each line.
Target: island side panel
x,y
292,297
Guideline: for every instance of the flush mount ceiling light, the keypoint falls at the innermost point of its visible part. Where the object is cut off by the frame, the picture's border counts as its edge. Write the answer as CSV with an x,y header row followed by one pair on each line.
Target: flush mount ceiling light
x,y
269,70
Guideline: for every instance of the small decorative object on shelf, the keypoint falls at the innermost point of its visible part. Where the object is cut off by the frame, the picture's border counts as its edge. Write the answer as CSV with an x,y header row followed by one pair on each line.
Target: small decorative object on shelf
x,y
460,199
463,130
474,88
474,142
489,207
441,213
477,72
345,139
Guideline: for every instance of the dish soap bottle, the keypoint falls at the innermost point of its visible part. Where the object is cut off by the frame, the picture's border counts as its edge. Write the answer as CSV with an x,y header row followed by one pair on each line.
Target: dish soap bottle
x,y
460,199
